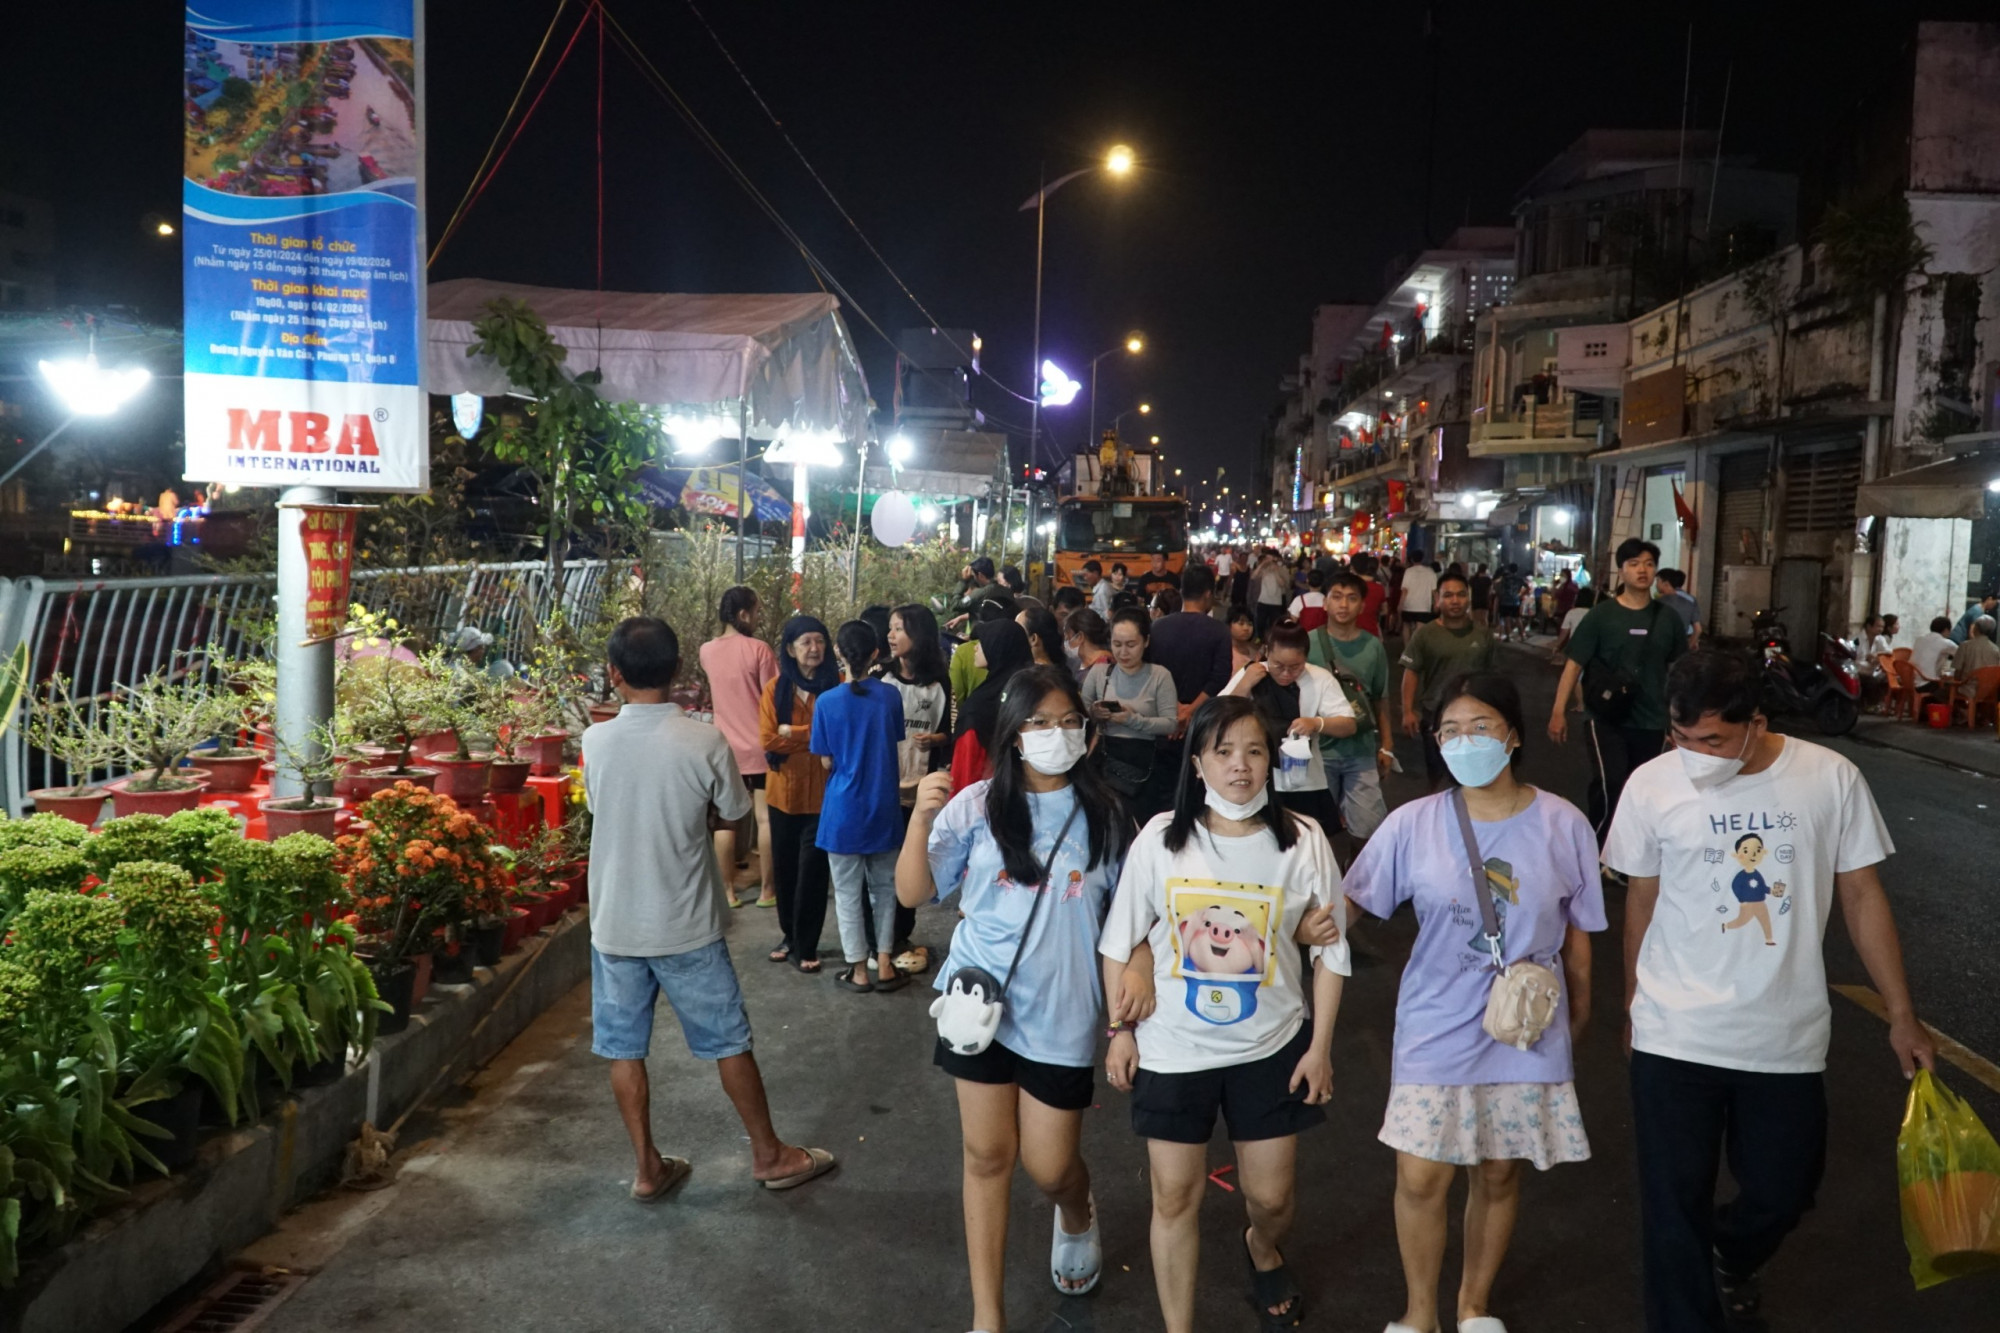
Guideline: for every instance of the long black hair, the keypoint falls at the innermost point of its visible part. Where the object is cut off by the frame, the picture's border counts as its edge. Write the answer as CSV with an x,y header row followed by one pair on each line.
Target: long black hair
x,y
1047,634
1210,723
856,642
925,661
1005,646
1007,813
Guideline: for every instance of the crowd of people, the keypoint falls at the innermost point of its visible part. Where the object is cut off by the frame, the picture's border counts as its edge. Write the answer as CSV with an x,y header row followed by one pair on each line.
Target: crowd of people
x,y
1156,802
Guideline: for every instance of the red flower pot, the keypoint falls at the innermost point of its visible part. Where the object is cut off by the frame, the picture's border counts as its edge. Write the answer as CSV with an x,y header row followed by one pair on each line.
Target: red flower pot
x,y
545,752
369,781
603,712
423,983
365,757
464,780
83,809
539,906
232,772
508,775
125,801
517,929
280,820
432,741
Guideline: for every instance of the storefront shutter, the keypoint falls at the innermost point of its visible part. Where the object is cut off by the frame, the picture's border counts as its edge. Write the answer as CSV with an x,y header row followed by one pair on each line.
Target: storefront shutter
x,y
1742,505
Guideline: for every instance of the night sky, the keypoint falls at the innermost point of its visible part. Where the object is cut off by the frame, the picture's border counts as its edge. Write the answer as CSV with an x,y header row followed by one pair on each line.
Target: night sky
x,y
1282,148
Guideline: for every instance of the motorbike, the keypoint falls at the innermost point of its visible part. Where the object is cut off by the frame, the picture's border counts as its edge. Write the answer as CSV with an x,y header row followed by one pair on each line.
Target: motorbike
x,y
1827,690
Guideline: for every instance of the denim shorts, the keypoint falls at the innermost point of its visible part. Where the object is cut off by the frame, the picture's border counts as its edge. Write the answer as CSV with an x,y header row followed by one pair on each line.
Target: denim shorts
x,y
700,985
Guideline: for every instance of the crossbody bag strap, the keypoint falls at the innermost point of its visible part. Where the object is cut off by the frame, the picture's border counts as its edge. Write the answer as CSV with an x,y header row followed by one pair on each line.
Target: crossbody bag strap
x,y
1045,889
1480,893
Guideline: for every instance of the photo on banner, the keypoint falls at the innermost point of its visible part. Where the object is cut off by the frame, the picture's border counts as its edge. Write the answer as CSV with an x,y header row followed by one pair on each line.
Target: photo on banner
x,y
303,233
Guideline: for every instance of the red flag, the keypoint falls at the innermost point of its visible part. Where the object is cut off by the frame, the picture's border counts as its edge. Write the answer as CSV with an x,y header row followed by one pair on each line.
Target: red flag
x,y
1685,514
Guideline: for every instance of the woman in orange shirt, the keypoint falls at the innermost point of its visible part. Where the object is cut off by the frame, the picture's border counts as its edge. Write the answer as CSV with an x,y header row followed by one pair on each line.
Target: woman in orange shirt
x,y
795,787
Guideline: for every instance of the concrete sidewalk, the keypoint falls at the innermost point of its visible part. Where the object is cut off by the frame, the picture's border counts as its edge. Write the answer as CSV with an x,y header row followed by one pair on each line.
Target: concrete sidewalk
x,y
517,1218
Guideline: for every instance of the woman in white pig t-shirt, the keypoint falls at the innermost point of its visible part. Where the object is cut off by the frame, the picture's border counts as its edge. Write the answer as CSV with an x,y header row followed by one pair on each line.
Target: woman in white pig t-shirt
x,y
1219,888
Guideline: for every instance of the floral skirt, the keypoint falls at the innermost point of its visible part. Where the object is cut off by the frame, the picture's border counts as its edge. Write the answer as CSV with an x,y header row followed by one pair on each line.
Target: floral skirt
x,y
1486,1122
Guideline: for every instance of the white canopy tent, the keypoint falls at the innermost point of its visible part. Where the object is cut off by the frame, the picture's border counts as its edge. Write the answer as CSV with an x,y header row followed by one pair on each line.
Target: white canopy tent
x,y
750,366
782,365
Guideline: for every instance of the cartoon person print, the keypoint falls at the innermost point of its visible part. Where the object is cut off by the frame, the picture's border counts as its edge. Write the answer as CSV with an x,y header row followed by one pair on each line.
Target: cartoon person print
x,y
1750,887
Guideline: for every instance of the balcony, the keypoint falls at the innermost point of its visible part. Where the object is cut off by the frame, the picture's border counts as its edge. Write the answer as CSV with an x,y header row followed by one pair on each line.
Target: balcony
x,y
1569,425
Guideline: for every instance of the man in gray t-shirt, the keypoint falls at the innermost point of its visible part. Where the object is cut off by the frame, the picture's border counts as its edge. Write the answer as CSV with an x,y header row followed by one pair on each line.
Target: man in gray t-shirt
x,y
658,782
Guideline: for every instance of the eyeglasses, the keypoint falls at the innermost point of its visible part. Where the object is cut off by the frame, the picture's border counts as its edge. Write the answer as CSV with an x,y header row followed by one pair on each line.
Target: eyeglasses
x,y
1452,730
1068,722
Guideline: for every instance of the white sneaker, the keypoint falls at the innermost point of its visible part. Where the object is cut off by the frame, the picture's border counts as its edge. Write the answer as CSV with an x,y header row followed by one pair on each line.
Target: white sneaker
x,y
1481,1323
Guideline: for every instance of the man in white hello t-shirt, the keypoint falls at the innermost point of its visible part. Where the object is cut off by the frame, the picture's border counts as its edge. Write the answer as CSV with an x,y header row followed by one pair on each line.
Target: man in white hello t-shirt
x,y
1737,844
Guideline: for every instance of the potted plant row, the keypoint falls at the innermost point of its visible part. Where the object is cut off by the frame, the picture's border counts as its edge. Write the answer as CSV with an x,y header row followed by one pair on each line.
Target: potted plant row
x,y
145,968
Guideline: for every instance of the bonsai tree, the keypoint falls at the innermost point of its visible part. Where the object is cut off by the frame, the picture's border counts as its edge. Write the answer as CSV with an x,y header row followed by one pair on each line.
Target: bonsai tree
x,y
73,733
316,764
389,702
160,720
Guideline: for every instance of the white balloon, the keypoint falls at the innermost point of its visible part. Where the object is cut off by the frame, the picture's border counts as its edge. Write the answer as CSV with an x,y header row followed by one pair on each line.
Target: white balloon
x,y
894,519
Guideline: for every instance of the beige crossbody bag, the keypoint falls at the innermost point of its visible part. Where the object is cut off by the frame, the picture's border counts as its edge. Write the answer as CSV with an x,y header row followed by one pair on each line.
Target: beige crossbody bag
x,y
1524,997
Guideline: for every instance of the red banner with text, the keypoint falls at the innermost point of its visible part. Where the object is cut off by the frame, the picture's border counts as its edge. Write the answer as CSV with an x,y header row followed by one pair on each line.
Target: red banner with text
x,y
328,534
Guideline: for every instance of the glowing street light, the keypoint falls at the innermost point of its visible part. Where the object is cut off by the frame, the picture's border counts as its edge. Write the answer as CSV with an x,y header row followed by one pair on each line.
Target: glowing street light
x,y
1135,343
87,390
1118,162
900,449
1145,409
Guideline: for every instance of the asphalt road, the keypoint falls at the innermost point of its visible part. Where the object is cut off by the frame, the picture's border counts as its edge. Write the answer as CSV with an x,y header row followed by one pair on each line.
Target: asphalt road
x,y
513,1215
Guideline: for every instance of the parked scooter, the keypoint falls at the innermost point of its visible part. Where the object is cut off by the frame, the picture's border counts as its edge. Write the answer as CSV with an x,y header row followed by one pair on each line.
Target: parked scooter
x,y
1827,690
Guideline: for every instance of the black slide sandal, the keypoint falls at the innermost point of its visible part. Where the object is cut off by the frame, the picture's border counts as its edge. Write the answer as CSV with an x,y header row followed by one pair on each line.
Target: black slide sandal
x,y
1274,1288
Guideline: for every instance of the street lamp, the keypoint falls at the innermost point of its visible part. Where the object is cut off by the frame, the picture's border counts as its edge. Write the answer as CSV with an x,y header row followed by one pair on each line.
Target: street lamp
x,y
87,390
1119,162
900,449
1143,409
1133,344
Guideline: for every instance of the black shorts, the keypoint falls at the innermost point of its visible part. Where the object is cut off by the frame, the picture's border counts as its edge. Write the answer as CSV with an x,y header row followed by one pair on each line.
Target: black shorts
x,y
1253,1099
1063,1087
754,781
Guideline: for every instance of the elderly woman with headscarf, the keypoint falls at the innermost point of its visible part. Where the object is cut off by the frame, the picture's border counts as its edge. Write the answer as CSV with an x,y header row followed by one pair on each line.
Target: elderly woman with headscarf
x,y
795,786
1003,650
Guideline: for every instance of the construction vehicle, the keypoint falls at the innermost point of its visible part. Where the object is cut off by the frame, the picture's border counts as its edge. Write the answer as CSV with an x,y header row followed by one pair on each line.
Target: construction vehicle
x,y
1116,511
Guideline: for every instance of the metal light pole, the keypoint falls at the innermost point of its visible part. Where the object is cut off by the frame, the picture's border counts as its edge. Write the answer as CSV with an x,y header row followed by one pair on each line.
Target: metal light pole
x,y
1119,161
1134,344
305,669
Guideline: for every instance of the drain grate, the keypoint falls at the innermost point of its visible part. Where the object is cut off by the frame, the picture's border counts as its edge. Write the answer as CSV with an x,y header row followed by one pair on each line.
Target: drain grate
x,y
237,1302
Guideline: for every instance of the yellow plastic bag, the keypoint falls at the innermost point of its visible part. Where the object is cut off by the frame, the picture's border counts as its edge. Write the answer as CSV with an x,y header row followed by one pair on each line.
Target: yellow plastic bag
x,y
1948,1170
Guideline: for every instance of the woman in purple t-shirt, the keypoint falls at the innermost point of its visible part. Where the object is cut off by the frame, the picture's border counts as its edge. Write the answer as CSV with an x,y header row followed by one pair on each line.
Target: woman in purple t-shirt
x,y
1457,1097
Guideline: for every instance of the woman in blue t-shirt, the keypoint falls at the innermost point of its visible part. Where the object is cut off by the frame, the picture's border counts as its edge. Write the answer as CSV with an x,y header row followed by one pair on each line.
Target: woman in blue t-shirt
x,y
858,734
1457,1097
1033,853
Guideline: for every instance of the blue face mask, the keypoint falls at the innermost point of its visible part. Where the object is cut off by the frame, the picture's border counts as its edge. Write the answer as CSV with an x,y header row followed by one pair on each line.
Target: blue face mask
x,y
1474,760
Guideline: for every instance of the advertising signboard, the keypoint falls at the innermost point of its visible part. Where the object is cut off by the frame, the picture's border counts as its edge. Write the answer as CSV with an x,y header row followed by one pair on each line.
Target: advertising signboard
x,y
303,234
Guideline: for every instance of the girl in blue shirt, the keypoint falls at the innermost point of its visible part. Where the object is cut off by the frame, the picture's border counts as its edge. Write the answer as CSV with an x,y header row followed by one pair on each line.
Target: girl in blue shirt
x,y
1024,858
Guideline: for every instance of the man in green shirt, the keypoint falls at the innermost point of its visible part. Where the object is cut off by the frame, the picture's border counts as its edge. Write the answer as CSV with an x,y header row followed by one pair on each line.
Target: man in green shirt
x,y
1620,654
1356,764
1439,652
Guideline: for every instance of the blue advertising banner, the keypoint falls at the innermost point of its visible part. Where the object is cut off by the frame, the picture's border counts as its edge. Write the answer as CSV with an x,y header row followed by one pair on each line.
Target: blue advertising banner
x,y
303,244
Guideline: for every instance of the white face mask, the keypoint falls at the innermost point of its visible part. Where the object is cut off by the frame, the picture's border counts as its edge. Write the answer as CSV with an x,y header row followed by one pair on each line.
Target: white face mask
x,y
1712,770
1229,809
1055,751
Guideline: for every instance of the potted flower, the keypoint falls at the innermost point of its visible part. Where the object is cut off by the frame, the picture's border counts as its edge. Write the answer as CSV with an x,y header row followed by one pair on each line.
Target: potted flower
x,y
75,734
317,765
527,737
157,723
158,999
410,870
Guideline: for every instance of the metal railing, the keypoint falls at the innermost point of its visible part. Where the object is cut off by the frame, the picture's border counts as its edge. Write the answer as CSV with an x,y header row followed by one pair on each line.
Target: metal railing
x,y
102,633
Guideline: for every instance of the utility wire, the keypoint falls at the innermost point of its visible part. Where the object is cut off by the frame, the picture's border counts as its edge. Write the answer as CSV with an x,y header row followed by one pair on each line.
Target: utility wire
x,y
936,324
472,186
